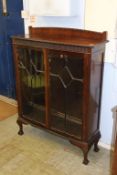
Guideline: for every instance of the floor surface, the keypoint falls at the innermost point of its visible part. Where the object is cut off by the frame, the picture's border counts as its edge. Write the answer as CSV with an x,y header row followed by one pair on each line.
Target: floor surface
x,y
40,153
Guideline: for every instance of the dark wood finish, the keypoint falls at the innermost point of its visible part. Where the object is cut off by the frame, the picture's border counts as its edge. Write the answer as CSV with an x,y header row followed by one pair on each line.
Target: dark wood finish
x,y
59,78
69,36
114,165
114,161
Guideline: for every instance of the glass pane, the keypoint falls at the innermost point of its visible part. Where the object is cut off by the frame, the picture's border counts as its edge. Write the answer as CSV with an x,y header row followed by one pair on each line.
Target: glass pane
x,y
66,85
74,108
57,103
31,68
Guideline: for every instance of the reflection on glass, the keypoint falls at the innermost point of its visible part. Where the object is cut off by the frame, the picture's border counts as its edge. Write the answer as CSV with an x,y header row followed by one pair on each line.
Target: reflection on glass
x,y
66,93
31,67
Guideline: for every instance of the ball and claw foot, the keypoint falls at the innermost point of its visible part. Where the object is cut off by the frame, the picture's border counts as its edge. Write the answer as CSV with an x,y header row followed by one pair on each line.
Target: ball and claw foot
x,y
96,148
85,161
20,132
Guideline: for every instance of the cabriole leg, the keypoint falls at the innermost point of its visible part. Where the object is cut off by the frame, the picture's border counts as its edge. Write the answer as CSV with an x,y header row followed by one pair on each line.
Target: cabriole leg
x,y
19,122
85,161
96,148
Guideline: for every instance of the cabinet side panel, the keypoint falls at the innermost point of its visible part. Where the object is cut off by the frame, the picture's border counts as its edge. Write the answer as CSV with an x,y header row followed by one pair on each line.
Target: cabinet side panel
x,y
95,91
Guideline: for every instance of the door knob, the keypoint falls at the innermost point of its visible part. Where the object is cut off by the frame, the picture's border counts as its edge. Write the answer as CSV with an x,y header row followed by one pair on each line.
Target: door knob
x,y
4,8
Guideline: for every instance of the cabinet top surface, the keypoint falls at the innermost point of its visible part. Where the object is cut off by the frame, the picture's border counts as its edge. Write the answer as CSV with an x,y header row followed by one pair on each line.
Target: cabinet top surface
x,y
64,36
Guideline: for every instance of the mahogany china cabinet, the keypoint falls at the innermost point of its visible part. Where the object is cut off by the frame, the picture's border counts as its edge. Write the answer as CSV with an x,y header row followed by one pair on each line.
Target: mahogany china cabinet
x,y
58,82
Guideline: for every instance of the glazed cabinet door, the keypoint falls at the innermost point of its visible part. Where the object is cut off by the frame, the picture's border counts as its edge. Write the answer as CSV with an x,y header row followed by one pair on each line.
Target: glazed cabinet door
x,y
66,92
32,84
